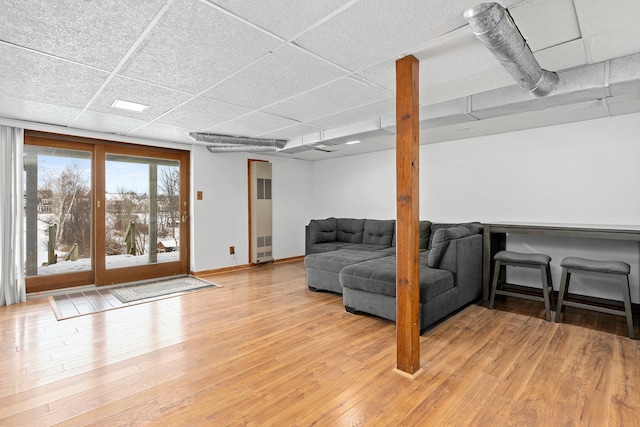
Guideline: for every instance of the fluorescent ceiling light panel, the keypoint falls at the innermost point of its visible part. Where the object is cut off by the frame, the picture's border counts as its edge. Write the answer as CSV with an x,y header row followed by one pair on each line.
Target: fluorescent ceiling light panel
x,y
352,142
129,106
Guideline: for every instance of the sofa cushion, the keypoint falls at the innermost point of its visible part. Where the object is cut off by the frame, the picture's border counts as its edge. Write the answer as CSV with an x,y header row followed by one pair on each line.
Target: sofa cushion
x,y
335,261
378,232
474,228
440,242
425,234
349,230
379,277
323,230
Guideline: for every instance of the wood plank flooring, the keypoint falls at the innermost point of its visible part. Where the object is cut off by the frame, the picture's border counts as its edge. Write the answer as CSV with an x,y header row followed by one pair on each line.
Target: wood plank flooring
x,y
263,350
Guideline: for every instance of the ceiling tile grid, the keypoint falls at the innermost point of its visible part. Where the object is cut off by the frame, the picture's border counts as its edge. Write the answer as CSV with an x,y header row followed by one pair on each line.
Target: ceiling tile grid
x,y
107,123
286,21
291,69
195,46
338,96
31,76
281,74
158,99
252,124
96,33
546,23
202,113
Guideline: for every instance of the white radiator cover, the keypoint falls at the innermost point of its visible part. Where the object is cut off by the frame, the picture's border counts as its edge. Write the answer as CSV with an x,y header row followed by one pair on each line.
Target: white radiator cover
x,y
261,212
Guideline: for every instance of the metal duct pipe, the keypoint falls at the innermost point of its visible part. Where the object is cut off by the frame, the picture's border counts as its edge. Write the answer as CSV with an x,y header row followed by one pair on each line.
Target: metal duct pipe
x,y
492,24
240,148
241,141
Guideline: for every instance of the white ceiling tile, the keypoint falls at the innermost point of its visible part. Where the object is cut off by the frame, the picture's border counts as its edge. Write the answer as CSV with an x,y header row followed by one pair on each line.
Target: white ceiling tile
x,y
164,133
34,111
196,45
453,56
252,125
107,123
381,108
493,78
31,76
291,132
97,33
279,75
202,113
285,20
545,23
562,56
621,41
159,99
444,59
598,16
341,95
372,31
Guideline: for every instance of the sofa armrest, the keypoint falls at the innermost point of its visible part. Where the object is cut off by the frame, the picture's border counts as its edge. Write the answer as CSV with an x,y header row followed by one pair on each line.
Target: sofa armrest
x,y
463,258
307,240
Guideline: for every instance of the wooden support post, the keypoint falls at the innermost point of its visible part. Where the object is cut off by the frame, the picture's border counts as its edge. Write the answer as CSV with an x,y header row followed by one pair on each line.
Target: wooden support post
x,y
408,216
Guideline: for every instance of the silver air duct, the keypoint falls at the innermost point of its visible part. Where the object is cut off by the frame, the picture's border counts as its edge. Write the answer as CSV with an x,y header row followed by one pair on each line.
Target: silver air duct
x,y
228,143
240,148
492,24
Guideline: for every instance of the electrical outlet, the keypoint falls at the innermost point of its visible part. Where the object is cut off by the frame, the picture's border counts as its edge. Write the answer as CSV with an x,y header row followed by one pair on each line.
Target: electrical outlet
x,y
232,250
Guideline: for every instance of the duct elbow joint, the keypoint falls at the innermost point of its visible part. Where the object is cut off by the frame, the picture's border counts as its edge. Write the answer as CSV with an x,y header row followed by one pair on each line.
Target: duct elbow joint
x,y
491,23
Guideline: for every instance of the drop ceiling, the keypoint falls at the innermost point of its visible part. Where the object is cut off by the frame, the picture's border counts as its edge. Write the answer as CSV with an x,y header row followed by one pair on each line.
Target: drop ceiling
x,y
310,72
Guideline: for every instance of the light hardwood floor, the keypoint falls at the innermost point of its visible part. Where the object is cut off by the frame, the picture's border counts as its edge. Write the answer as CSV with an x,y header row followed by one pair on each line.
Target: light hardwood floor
x,y
263,350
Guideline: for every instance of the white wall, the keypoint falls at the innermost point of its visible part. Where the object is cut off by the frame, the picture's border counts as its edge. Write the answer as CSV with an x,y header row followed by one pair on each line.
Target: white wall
x,y
586,172
221,220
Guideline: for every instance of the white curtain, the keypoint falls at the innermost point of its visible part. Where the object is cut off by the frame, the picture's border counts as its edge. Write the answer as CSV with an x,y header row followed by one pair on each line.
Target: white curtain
x,y
12,286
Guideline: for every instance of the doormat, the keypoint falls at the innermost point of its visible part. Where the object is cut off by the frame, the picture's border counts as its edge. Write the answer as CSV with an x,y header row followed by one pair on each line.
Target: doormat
x,y
158,289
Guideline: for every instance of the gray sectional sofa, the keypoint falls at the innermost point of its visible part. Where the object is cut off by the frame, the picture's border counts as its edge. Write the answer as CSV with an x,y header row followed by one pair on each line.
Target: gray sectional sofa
x,y
357,258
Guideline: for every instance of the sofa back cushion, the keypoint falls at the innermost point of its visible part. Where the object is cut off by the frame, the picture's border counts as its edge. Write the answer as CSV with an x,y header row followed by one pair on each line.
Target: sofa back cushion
x,y
323,230
474,228
350,230
440,242
425,234
378,232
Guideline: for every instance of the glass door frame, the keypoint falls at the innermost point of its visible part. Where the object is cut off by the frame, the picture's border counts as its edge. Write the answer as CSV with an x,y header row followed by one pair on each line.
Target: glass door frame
x,y
98,274
110,276
40,283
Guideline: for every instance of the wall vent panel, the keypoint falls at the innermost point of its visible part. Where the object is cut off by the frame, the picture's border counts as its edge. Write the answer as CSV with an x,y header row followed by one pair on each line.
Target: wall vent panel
x,y
261,212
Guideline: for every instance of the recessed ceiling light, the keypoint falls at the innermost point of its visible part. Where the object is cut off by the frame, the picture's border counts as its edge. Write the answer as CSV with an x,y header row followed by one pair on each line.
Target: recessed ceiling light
x,y
352,142
129,106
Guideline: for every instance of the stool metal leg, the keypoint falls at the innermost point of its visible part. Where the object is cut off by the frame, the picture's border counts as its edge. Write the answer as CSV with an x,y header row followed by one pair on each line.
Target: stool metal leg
x,y
564,289
545,291
494,286
627,305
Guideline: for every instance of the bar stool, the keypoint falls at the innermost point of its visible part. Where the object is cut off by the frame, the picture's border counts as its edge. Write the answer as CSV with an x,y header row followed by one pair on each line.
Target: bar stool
x,y
516,259
612,269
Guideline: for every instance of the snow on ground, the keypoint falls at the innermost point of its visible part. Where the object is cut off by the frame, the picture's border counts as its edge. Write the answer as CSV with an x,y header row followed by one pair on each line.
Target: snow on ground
x,y
113,261
84,264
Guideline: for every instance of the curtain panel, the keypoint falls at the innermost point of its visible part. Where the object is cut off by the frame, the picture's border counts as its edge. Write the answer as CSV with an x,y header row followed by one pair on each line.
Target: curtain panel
x,y
12,285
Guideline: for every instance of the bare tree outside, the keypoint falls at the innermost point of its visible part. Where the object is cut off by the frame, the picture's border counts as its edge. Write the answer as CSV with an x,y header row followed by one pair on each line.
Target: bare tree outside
x,y
169,185
70,200
124,208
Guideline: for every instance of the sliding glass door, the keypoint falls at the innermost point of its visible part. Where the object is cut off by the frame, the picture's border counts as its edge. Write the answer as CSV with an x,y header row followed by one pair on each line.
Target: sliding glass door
x,y
103,213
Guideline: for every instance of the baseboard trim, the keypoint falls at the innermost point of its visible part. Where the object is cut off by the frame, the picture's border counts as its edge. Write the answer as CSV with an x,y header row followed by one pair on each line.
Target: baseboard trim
x,y
244,266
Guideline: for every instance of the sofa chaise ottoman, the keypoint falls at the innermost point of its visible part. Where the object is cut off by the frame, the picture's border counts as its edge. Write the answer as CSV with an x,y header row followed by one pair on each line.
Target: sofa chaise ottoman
x,y
450,278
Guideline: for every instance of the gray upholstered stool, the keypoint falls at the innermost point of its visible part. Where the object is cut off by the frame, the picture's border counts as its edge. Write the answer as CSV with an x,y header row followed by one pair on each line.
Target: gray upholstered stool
x,y
538,261
612,269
